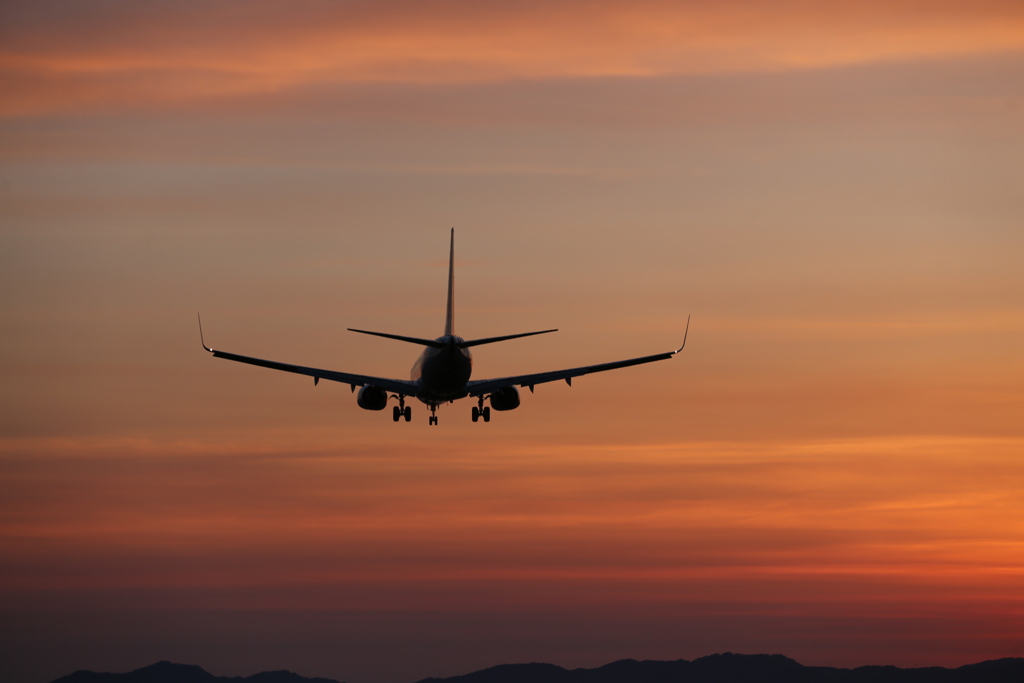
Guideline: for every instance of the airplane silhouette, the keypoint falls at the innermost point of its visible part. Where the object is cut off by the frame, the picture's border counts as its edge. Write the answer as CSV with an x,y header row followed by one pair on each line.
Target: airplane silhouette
x,y
441,374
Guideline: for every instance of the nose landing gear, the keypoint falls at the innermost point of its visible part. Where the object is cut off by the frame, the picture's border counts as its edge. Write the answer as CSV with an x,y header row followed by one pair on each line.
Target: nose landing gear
x,y
433,414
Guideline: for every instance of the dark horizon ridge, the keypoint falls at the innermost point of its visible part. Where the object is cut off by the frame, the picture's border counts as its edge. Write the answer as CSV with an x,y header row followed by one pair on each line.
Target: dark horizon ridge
x,y
717,668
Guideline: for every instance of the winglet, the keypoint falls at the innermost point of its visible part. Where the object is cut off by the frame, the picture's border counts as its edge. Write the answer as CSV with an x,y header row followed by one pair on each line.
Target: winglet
x,y
685,332
202,341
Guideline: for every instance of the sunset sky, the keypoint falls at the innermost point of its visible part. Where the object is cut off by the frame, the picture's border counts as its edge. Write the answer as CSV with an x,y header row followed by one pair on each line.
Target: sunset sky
x,y
833,469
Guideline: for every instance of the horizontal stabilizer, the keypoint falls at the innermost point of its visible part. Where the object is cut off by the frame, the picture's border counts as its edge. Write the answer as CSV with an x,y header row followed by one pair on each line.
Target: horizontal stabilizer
x,y
491,340
412,340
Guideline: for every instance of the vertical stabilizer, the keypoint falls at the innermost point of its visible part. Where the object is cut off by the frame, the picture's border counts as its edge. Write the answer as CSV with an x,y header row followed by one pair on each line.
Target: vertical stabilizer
x,y
449,318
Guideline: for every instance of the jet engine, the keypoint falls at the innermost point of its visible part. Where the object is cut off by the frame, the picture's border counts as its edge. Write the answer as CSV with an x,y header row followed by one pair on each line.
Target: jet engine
x,y
506,398
372,398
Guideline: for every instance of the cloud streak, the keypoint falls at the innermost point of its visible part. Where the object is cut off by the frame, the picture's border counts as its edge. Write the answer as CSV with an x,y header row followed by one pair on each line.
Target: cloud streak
x,y
831,541
59,56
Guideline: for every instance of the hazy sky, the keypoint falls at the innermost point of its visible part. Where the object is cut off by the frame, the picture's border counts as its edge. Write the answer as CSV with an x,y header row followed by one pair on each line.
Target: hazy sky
x,y
832,469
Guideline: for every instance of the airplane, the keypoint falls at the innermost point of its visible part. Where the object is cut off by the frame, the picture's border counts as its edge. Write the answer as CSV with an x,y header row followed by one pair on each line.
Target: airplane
x,y
442,372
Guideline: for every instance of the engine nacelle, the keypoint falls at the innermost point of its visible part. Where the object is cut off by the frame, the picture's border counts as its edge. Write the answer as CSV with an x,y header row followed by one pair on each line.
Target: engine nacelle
x,y
506,398
372,398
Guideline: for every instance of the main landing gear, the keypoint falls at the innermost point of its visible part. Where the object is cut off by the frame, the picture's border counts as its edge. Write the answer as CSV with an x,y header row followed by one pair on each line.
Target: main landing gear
x,y
433,414
480,411
401,410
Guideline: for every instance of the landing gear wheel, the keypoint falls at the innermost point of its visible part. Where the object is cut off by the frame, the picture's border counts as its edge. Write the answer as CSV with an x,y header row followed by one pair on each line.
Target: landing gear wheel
x,y
433,419
480,411
401,410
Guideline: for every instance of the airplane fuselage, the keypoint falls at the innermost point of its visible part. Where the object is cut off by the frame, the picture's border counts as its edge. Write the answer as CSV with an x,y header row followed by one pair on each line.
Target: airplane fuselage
x,y
443,373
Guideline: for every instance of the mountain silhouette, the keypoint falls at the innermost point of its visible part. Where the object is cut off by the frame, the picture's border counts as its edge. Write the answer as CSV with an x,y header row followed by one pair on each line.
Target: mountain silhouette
x,y
733,668
720,668
168,672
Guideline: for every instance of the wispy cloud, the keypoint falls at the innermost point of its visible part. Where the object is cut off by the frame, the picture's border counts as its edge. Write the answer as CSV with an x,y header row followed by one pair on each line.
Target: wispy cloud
x,y
62,55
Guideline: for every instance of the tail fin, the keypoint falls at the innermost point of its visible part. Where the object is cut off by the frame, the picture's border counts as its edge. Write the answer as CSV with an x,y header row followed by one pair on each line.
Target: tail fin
x,y
449,318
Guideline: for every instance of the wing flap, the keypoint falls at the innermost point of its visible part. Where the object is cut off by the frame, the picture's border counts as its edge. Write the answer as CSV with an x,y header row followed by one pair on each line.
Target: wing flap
x,y
396,385
485,386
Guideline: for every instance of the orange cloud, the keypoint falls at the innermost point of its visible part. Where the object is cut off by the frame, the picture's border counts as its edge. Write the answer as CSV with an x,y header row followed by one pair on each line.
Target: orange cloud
x,y
852,535
131,56
865,511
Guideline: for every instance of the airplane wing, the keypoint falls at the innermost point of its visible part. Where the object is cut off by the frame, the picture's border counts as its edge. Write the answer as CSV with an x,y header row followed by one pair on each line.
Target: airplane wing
x,y
485,386
398,386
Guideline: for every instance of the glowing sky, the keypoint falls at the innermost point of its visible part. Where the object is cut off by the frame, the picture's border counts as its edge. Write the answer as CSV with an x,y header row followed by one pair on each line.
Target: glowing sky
x,y
831,470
